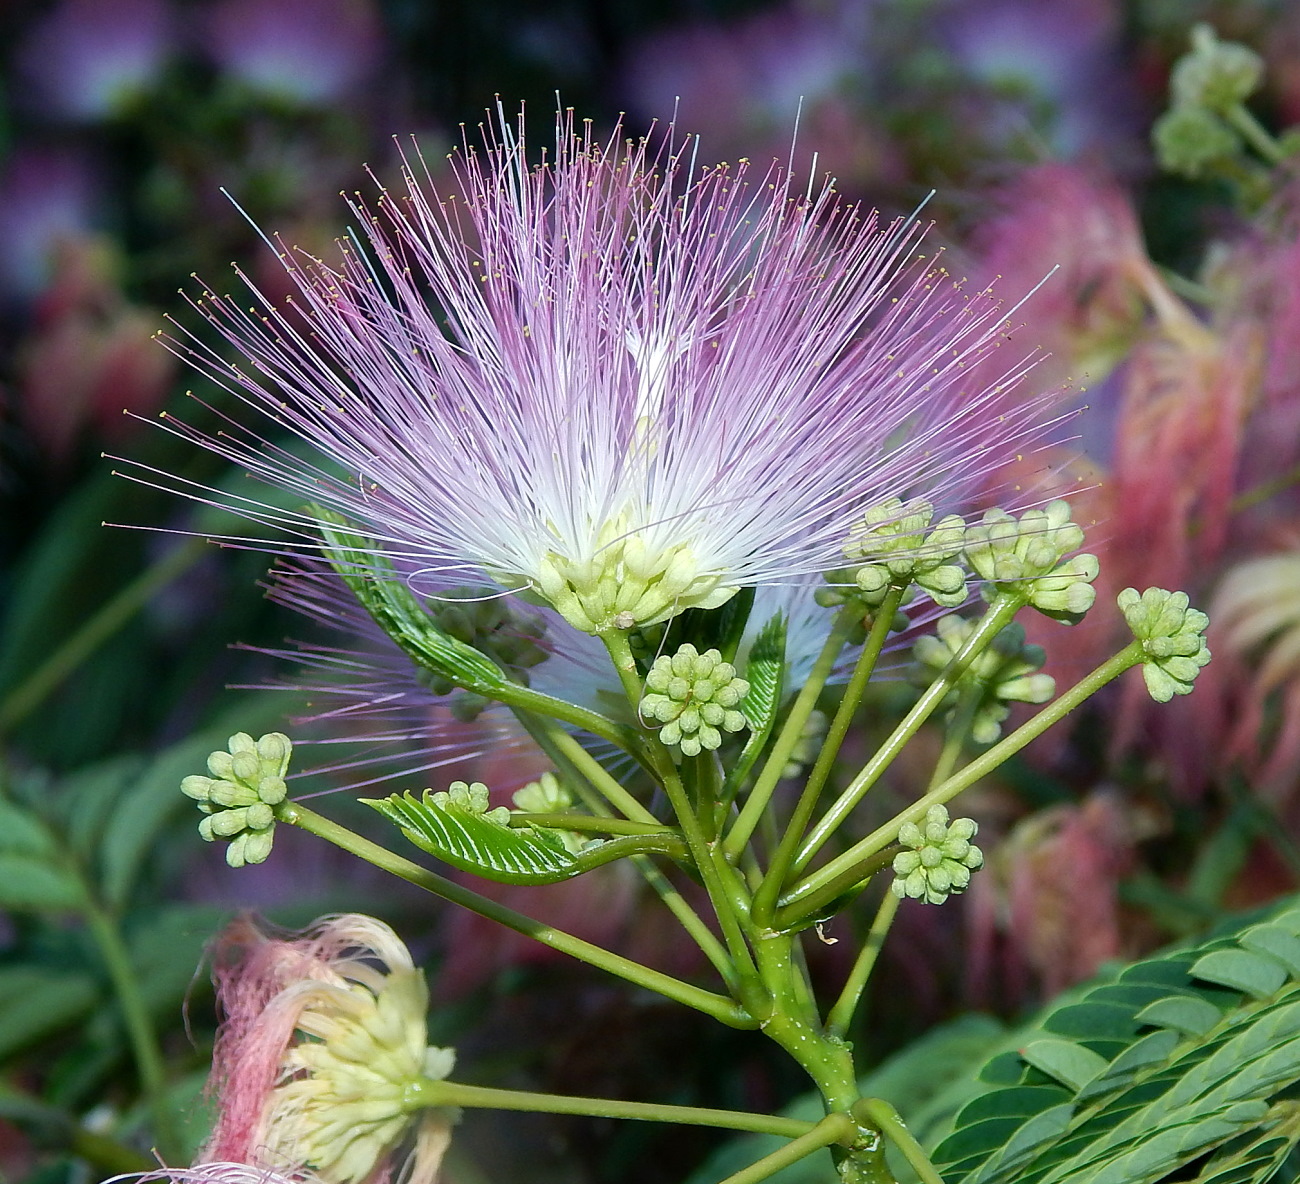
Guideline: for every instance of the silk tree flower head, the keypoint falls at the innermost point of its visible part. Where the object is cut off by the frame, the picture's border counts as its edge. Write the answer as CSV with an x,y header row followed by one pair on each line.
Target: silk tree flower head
x,y
322,1038
621,382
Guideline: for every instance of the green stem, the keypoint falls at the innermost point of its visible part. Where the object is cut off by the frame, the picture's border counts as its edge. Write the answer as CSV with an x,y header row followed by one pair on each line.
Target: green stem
x,y
586,823
429,1093
586,770
721,1008
791,731
93,632
885,1118
818,888
841,1014
1000,612
721,894
834,1128
955,738
774,880
1255,134
565,749
143,1039
620,653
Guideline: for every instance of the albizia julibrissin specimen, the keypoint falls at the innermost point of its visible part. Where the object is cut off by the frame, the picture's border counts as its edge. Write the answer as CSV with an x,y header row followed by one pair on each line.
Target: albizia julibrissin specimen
x,y
624,381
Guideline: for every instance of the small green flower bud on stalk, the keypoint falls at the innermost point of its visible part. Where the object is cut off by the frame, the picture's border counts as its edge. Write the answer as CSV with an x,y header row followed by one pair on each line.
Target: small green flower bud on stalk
x,y
1026,556
1005,672
247,782
471,797
1190,140
695,697
1216,75
894,550
1172,636
941,858
547,795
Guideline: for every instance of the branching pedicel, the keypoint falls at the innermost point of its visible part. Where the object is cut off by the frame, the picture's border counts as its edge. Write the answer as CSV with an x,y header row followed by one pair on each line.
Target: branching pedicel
x,y
636,394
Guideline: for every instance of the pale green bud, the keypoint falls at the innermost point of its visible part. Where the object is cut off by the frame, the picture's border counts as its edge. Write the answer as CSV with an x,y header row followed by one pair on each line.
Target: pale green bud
x,y
939,859
1216,74
1191,140
695,697
1172,636
238,800
1004,672
1026,557
897,546
546,795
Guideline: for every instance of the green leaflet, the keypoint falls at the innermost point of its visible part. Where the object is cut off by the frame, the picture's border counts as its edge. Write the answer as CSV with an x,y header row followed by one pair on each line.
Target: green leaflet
x,y
397,611
1185,1058
477,842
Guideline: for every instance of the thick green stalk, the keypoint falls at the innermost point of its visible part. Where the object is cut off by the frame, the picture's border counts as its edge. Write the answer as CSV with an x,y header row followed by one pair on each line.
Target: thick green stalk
x,y
721,1008
881,1115
429,1093
778,757
819,887
832,1129
841,1014
774,880
1000,612
1255,134
93,632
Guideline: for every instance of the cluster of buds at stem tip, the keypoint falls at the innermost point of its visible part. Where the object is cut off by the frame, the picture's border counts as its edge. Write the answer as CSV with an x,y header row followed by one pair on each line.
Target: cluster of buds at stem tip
x,y
696,697
240,797
1172,635
1026,557
1006,671
940,858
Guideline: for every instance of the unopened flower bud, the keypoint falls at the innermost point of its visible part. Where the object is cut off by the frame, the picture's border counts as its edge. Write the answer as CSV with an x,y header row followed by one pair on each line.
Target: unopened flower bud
x,y
1216,75
238,800
898,546
941,858
696,697
1172,636
1026,556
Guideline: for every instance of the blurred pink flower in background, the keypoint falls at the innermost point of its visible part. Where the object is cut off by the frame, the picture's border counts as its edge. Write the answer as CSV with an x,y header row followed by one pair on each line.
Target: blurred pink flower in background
x,y
312,52
88,60
47,195
743,85
89,356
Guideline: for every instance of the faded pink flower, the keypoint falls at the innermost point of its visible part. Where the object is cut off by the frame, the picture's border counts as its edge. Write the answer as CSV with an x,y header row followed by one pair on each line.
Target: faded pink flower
x,y
321,1038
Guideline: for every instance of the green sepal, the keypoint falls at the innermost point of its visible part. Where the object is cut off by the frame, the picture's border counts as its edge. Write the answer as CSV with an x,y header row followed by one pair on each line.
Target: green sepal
x,y
765,673
476,842
400,614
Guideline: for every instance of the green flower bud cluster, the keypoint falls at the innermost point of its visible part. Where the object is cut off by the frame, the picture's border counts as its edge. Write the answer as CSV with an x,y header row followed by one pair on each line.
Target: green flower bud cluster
x,y
695,696
1026,555
894,549
549,795
487,622
940,860
1172,636
247,782
471,797
1201,133
1006,671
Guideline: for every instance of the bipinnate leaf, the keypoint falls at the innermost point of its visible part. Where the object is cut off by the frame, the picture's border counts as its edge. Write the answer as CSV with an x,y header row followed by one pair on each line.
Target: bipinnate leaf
x,y
478,842
765,672
1189,1058
395,608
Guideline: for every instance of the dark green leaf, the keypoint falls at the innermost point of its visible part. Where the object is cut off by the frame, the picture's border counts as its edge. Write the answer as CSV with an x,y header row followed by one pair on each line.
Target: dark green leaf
x,y
35,1003
1069,1063
33,884
1255,974
1193,1016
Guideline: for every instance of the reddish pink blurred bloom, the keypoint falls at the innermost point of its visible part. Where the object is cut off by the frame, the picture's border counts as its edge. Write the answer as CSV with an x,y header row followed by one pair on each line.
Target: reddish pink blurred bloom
x,y
90,357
